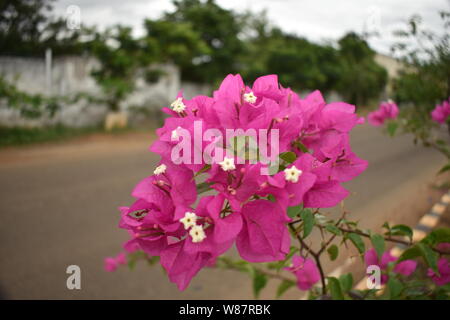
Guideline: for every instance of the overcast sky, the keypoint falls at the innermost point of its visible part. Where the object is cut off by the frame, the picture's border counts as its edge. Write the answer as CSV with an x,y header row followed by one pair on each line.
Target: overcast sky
x,y
317,20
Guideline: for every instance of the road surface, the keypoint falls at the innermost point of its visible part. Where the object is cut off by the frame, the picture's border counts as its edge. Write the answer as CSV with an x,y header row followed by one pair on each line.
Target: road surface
x,y
58,207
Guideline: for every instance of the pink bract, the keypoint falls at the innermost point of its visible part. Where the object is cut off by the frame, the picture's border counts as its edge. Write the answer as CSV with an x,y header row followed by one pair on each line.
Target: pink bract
x,y
387,110
441,112
406,267
306,271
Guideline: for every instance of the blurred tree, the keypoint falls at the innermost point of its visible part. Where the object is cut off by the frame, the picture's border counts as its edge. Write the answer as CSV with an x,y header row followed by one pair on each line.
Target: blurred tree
x,y
299,63
426,80
302,64
120,56
360,77
174,42
27,28
219,29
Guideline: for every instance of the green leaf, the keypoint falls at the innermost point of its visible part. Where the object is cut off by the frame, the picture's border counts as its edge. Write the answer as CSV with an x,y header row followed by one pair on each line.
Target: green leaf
x,y
203,187
288,156
131,264
308,222
357,241
429,255
346,281
259,282
410,253
378,243
421,250
437,236
395,288
333,252
300,146
205,168
294,211
153,260
391,128
283,287
333,229
400,230
335,289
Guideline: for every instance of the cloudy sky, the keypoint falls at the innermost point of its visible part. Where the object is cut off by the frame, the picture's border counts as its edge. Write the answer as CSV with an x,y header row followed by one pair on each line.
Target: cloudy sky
x,y
317,20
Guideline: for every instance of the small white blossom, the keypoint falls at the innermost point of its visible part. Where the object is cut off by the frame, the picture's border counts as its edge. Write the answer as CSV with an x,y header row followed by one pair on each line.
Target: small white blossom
x,y
291,174
160,169
250,97
227,164
197,233
189,220
178,105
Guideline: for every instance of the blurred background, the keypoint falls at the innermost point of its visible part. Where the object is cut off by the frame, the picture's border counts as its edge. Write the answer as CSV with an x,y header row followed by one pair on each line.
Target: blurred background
x,y
81,88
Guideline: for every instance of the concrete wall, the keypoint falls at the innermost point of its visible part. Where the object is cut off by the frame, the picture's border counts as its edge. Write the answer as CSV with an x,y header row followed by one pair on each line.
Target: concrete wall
x,y
67,76
393,68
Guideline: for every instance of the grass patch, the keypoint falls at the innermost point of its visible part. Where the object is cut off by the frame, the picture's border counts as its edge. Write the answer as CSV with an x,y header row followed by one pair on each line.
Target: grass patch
x,y
21,136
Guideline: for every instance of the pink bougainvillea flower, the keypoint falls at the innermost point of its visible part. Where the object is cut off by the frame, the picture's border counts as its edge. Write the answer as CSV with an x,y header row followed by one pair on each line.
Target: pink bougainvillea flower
x,y
264,236
387,110
220,224
149,226
444,272
182,266
236,184
188,231
443,246
174,181
112,263
290,185
325,195
339,116
406,267
441,112
306,272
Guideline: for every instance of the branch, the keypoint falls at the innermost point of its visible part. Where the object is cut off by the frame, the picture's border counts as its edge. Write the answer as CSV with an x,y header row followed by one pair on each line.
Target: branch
x,y
315,255
407,243
230,265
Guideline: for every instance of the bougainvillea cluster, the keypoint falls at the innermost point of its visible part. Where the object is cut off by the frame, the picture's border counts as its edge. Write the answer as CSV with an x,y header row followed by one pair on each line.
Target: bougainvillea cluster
x,y
405,268
387,110
441,112
188,231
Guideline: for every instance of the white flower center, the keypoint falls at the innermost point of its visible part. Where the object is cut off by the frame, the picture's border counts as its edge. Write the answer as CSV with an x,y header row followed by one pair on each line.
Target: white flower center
x,y
178,105
291,174
227,164
197,233
160,169
250,97
189,220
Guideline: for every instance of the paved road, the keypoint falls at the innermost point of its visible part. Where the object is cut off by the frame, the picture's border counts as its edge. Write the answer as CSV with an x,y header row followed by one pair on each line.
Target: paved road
x,y
58,208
